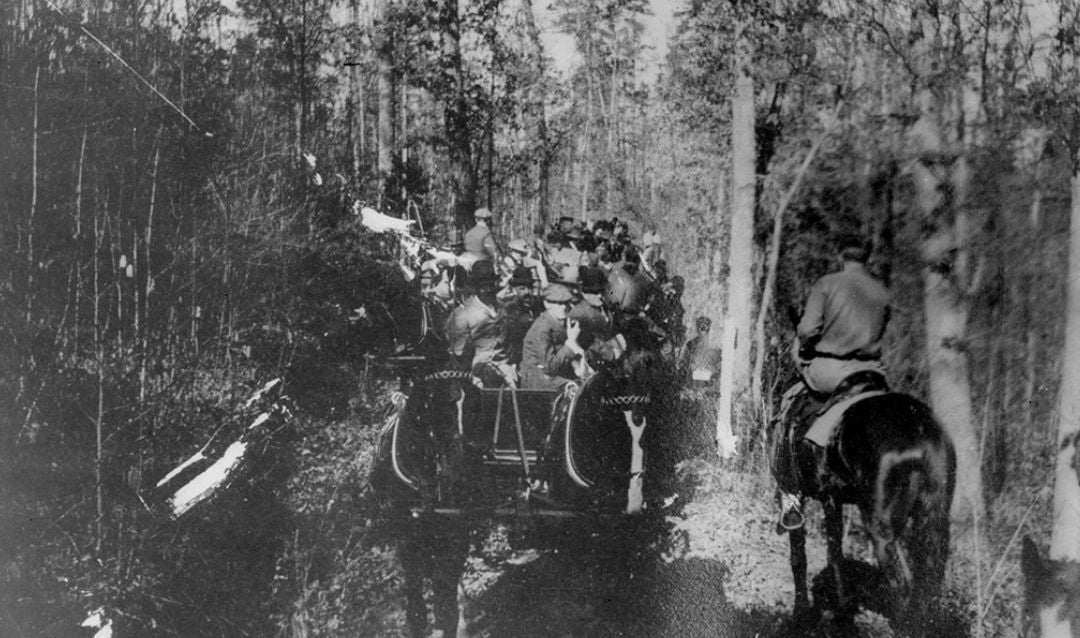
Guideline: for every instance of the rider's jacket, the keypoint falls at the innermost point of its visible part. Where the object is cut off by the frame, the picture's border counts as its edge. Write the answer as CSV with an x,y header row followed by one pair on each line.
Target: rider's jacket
x,y
476,333
845,315
480,243
627,292
544,354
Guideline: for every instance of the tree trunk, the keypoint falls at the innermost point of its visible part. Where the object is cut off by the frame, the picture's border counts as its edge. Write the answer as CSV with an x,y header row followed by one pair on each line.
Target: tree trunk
x,y
538,97
456,115
735,361
356,100
385,125
949,279
1064,541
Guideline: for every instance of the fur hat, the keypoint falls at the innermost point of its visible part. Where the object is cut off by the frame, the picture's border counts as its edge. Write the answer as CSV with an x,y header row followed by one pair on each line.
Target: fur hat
x,y
593,280
522,276
482,276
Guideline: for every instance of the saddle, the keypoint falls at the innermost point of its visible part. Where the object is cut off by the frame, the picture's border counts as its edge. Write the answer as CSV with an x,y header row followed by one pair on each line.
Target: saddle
x,y
852,389
814,417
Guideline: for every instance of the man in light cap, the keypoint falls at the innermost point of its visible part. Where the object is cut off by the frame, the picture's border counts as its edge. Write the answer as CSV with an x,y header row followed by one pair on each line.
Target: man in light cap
x,y
476,330
518,255
551,356
479,242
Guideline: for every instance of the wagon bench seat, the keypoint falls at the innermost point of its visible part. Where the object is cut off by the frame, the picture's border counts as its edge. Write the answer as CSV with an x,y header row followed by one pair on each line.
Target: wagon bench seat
x,y
495,429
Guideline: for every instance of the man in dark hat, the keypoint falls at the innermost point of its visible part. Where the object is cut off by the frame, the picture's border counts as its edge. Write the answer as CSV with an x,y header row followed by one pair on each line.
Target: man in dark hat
x,y
628,289
476,330
551,356
522,306
666,311
479,242
590,313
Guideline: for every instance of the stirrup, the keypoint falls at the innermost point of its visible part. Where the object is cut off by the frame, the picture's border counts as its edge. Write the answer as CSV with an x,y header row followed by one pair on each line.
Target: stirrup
x,y
791,516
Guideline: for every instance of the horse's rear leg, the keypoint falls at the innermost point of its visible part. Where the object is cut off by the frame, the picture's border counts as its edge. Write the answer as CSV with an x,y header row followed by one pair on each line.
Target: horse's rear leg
x,y
834,536
797,540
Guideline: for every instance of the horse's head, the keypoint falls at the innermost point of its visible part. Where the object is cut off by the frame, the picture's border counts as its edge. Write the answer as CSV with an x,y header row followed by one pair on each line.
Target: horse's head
x,y
1051,595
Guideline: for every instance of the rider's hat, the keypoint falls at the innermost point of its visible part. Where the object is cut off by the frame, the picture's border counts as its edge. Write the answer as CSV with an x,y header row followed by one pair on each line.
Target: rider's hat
x,y
482,213
518,246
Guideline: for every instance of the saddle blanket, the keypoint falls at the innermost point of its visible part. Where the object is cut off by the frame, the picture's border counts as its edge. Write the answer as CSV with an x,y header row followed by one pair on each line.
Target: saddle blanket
x,y
825,425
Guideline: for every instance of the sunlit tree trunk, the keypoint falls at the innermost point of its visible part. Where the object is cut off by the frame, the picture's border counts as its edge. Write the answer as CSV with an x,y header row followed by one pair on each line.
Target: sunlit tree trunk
x,y
735,362
1064,539
942,177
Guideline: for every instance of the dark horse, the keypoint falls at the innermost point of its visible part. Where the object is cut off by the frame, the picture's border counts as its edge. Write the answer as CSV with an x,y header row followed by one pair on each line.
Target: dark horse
x,y
890,457
589,450
420,464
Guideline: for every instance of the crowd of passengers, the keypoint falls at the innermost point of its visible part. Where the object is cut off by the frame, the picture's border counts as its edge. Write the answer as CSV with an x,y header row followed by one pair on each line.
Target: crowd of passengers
x,y
539,314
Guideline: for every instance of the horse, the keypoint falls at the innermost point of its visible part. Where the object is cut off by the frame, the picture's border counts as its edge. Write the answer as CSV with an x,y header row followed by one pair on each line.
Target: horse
x,y
891,458
420,465
591,459
1051,595
616,432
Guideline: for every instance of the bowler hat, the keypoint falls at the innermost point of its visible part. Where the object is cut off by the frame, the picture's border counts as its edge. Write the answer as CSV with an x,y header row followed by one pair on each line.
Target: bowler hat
x,y
522,276
558,293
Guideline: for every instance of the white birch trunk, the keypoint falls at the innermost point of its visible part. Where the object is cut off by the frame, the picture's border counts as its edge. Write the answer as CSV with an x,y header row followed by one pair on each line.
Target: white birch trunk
x,y
1065,537
735,363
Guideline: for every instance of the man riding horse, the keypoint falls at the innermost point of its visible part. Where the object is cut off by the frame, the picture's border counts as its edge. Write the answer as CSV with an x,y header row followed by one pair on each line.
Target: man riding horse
x,y
839,335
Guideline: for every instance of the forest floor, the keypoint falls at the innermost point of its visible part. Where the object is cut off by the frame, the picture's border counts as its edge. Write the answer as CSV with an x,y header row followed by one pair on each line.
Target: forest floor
x,y
723,572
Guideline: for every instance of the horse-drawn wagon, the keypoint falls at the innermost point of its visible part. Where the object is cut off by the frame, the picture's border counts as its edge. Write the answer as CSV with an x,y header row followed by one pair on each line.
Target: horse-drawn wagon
x,y
594,449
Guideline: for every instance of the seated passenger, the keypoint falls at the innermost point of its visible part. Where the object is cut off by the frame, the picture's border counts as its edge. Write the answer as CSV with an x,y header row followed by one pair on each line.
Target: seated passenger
x,y
700,362
551,356
476,329
521,306
591,315
628,290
